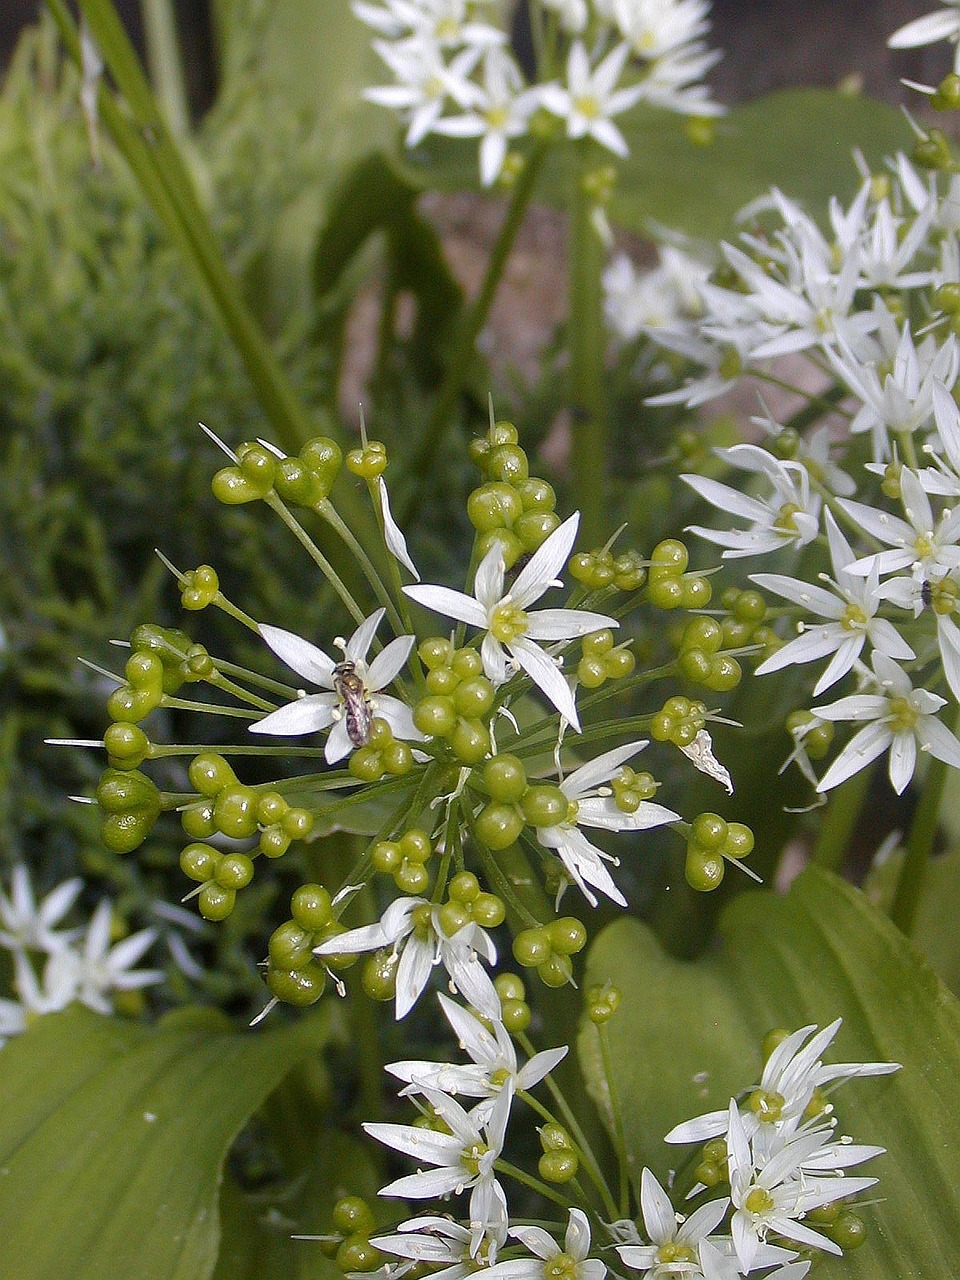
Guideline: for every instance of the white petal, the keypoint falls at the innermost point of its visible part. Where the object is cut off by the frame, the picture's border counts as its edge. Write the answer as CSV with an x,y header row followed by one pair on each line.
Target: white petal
x,y
658,1214
358,645
388,664
452,604
546,676
545,564
565,624
396,542
301,656
488,581
304,715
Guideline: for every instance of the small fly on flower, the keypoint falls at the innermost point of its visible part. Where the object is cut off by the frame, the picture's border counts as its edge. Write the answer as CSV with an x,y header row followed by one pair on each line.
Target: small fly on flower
x,y
349,689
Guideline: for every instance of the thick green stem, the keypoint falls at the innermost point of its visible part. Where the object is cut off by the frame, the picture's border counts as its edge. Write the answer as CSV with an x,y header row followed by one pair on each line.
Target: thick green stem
x,y
923,832
464,350
840,821
588,410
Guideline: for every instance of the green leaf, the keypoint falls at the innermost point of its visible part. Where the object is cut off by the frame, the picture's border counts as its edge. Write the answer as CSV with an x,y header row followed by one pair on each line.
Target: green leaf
x,y
112,1138
687,1038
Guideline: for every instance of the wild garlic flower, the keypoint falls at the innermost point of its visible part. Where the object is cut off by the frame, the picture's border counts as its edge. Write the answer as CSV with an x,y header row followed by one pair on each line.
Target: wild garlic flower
x,y
572,1262
493,1060
898,718
942,24
852,607
462,1157
25,926
589,99
97,969
927,545
637,301
311,713
591,803
446,1245
411,928
674,1247
788,516
512,631
500,112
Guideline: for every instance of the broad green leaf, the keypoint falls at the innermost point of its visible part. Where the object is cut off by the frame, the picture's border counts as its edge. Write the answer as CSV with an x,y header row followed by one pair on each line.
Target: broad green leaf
x,y
933,934
687,1038
112,1138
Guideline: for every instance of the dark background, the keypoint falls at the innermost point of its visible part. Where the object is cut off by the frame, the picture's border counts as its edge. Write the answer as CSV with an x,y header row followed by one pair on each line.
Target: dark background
x,y
768,44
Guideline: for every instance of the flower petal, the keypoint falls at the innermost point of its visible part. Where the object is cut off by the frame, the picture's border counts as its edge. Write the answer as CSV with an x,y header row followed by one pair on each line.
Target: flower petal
x,y
300,655
304,715
545,674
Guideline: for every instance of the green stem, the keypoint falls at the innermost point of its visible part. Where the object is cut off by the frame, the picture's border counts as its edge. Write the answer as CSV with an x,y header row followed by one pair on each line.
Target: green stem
x,y
503,1166
328,512
587,347
165,63
840,821
923,831
317,556
617,1114
584,1153
474,318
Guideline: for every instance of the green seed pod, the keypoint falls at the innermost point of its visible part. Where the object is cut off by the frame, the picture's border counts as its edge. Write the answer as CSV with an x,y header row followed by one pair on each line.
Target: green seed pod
x,y
488,910
291,945
533,528
235,871
498,825
199,862
531,947
556,971
558,1166
210,773
199,587
544,805
311,906
198,821
567,935
379,979
301,987
470,741
231,487
368,462
235,810
493,506
127,791
324,458
703,871
216,902
127,745
505,778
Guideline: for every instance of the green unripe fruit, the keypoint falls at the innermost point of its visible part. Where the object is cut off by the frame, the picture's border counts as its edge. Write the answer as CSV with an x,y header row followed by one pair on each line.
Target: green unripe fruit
x,y
397,758
467,663
411,877
271,808
502,433
498,825
532,947
198,821
619,663
231,487
553,1137
291,945
127,791
297,823
558,1166
505,778
416,845
750,607
311,907
215,902
454,916
124,832
716,1150
199,587
556,971
538,495
710,1173
235,810
709,831
366,764
534,527
470,741
544,805
772,1040
516,1016
702,633
725,673
323,457
379,979
464,887
567,935
493,506
127,745
736,634
199,862
739,842
507,463
665,593
474,698
274,842
435,716
669,558
695,665
352,1215
603,1001
442,681
630,571
368,462
697,592
386,856
506,542
144,670
591,672
235,871
257,465
488,911
703,871
130,705
509,986
300,987
210,773
435,651
849,1231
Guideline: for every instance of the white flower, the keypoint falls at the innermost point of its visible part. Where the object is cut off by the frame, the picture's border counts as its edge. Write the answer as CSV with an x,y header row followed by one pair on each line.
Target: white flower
x,y
572,1261
443,1243
425,83
26,927
589,99
511,630
944,24
310,713
789,516
411,927
791,1075
501,113
635,301
927,547
674,1245
392,534
591,804
463,1158
90,974
494,1060
572,14
900,718
852,608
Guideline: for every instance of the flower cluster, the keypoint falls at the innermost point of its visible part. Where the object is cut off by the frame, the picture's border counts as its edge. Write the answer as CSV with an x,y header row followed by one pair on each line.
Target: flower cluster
x,y
455,74
55,966
869,312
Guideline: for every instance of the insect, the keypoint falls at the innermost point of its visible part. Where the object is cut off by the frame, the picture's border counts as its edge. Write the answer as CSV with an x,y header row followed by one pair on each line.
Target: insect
x,y
359,715
926,593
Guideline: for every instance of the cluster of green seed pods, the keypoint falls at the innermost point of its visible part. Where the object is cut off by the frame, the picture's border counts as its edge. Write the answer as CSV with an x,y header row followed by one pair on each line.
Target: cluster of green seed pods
x,y
303,481
512,509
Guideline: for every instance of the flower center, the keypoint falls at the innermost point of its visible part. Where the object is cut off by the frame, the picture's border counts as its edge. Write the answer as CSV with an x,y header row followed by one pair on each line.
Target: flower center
x,y
854,618
673,1251
499,1077
471,1158
924,546
561,1267
903,715
507,622
433,87
573,810
766,1105
786,517
587,106
759,1201
422,919
496,117
943,596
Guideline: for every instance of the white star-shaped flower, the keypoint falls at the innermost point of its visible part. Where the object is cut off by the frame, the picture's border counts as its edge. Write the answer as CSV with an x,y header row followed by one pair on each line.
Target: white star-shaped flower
x,y
674,1245
512,632
310,713
589,99
591,804
99,968
572,1261
24,926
